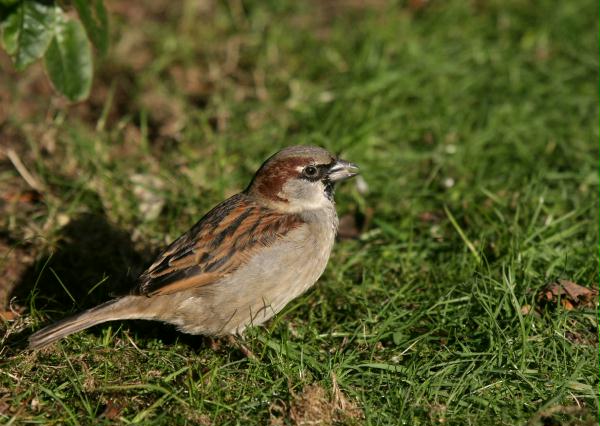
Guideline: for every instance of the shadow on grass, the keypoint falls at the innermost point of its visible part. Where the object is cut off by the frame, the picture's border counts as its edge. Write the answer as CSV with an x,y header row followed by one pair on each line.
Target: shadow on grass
x,y
93,262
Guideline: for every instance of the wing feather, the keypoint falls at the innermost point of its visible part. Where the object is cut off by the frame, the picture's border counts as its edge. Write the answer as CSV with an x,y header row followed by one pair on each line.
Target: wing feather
x,y
221,242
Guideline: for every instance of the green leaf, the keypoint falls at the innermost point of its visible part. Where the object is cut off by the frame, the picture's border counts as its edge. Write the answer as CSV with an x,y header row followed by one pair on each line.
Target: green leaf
x,y
68,60
95,20
9,2
27,31
10,33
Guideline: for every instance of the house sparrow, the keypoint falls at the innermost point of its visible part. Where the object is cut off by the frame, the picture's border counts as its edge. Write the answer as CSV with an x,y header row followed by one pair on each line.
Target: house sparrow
x,y
243,261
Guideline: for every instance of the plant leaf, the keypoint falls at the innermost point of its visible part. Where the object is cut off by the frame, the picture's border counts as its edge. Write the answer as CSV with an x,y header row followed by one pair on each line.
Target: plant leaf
x,y
9,28
95,21
27,31
68,60
9,2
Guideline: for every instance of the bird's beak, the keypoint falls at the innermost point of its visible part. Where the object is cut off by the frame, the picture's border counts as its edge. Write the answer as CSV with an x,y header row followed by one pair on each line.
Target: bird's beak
x,y
342,170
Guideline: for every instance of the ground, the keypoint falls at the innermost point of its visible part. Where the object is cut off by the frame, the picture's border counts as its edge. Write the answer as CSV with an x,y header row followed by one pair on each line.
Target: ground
x,y
464,288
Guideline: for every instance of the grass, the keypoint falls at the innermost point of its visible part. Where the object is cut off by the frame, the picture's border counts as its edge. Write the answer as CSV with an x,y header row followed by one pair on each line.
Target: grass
x,y
476,128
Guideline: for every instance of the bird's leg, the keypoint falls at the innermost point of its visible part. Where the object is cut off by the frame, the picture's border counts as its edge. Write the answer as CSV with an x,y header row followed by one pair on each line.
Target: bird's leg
x,y
238,343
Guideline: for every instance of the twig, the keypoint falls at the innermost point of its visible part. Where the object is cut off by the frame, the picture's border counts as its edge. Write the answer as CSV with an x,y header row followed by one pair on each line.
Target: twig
x,y
27,177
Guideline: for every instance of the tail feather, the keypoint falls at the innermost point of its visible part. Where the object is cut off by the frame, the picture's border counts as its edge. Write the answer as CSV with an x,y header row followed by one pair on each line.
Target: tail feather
x,y
109,311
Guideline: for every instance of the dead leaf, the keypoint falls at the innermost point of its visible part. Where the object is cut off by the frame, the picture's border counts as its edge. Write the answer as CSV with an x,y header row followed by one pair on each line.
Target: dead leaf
x,y
353,225
14,261
27,196
437,413
417,5
112,411
571,295
166,111
430,217
192,80
4,406
9,315
148,191
525,309
567,305
35,405
348,228
575,291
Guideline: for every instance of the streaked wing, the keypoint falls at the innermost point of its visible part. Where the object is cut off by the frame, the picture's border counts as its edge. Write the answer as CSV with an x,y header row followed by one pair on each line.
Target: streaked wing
x,y
222,241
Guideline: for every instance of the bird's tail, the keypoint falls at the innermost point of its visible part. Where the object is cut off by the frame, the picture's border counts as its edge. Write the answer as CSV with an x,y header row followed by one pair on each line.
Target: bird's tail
x,y
117,309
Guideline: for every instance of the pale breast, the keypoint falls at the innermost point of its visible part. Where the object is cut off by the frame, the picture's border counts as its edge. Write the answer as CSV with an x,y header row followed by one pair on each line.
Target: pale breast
x,y
270,279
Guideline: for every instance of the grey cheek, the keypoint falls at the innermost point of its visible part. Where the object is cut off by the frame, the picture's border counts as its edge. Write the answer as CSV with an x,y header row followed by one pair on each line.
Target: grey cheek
x,y
301,190
294,189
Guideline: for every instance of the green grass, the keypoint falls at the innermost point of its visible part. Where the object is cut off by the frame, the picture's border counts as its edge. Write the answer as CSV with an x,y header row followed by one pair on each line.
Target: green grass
x,y
476,128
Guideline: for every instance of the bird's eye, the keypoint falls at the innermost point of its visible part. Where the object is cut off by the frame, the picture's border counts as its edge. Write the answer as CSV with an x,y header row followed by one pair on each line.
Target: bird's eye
x,y
310,171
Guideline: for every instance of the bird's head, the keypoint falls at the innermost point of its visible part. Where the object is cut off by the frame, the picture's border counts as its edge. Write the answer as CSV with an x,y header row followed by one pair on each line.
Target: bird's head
x,y
300,178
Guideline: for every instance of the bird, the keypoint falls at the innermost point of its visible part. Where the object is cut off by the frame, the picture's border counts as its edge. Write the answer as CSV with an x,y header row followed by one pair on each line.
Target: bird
x,y
242,262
